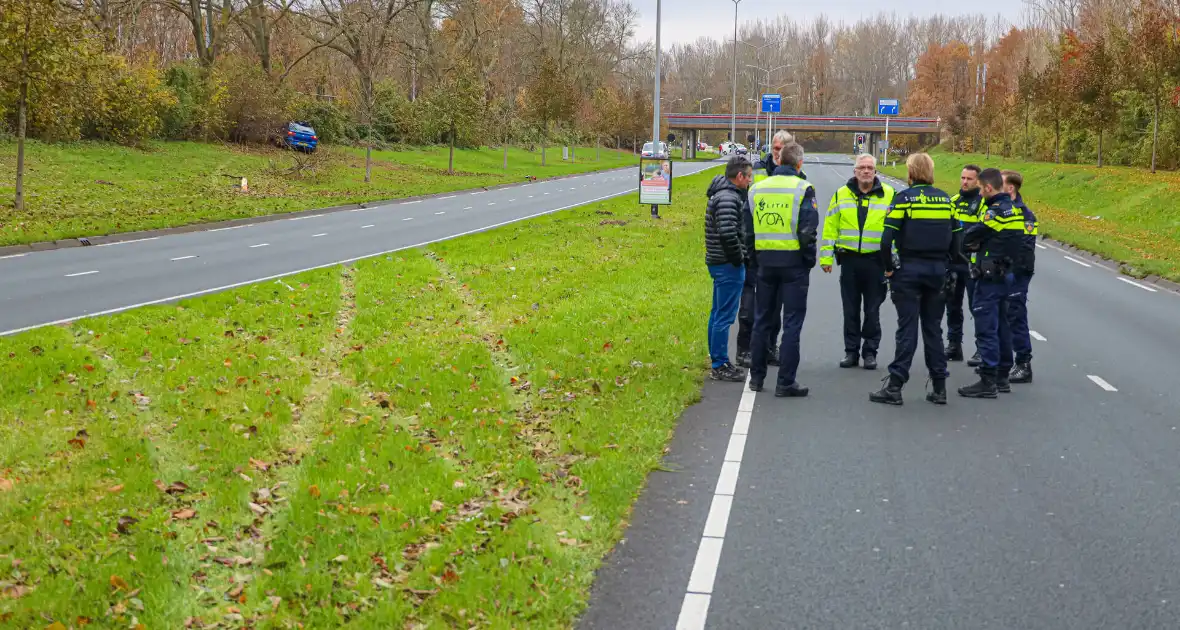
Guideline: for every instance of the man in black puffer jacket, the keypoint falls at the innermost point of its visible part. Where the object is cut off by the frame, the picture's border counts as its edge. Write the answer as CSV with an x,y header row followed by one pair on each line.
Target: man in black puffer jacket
x,y
725,254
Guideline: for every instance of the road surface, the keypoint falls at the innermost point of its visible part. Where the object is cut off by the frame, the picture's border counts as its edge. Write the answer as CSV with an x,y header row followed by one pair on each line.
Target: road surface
x,y
62,285
1054,507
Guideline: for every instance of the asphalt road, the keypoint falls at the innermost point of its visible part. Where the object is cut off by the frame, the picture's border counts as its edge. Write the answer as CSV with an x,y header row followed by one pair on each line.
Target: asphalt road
x,y
56,286
1055,506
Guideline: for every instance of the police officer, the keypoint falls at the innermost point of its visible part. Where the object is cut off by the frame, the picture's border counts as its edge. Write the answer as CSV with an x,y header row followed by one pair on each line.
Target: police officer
x,y
997,241
922,225
785,224
1022,275
967,203
852,239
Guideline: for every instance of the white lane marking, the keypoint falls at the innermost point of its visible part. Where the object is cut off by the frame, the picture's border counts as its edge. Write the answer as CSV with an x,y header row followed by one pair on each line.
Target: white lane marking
x,y
1075,260
448,197
12,256
234,227
438,213
1039,246
546,193
138,240
1098,380
80,273
694,610
531,196
182,258
259,245
319,235
467,208
511,200
408,219
1136,284
1036,335
492,203
365,227
345,261
310,216
410,203
357,209
479,193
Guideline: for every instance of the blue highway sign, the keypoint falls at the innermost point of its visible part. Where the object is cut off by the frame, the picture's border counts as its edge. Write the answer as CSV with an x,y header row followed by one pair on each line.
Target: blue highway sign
x,y
772,103
887,107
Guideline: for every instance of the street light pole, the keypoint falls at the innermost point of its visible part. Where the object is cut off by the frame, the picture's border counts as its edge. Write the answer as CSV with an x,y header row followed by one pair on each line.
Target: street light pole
x,y
655,118
733,116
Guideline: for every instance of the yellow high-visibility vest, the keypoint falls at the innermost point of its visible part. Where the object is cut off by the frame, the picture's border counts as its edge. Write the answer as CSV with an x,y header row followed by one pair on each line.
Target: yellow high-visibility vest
x,y
775,203
842,225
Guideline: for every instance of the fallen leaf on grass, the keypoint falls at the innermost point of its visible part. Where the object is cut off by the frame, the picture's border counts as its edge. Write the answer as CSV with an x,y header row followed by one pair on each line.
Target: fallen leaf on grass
x,y
88,367
16,591
115,489
125,523
260,465
257,509
119,584
436,506
234,592
450,577
458,484
340,559
57,625
176,487
573,542
6,484
314,491
184,515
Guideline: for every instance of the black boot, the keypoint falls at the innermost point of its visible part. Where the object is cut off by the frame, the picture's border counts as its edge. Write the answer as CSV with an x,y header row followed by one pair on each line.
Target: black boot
x,y
870,361
985,388
743,358
954,351
890,392
850,360
772,356
938,394
755,384
794,390
975,361
1002,381
1022,373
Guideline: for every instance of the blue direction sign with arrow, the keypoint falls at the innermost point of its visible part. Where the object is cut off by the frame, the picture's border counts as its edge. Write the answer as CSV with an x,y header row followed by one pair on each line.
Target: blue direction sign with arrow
x,y
886,107
772,103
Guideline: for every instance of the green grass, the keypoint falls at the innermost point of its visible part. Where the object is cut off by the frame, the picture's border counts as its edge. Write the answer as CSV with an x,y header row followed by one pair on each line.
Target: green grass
x,y
1125,214
89,189
446,437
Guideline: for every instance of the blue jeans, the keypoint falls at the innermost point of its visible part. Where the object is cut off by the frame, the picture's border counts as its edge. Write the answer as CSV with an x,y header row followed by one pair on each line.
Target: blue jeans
x,y
727,295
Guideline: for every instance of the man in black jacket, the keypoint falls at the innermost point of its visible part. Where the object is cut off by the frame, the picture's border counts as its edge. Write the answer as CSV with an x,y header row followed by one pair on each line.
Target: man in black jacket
x,y
725,254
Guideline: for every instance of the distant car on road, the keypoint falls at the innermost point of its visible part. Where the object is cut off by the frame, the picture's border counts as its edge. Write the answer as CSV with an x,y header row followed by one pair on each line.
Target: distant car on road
x,y
649,152
301,137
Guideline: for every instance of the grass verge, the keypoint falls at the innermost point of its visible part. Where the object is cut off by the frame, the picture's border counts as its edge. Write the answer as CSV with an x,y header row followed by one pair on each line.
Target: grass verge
x,y
1125,214
449,437
89,189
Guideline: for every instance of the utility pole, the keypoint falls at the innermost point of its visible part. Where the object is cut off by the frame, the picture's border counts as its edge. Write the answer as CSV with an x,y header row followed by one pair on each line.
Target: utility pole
x,y
655,119
733,108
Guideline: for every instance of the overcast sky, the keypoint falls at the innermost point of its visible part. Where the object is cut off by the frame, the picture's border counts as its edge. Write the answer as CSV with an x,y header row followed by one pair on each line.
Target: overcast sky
x,y
686,20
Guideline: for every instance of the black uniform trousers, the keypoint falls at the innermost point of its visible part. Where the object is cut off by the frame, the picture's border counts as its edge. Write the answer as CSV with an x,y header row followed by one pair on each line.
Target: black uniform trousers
x,y
862,280
918,297
964,286
746,314
781,293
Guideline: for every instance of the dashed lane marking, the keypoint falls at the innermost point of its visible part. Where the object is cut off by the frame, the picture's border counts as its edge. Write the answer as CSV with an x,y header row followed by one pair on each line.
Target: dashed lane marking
x,y
319,235
1076,261
438,213
1099,381
1136,284
1039,246
182,258
12,256
408,219
80,273
365,227
1036,335
260,245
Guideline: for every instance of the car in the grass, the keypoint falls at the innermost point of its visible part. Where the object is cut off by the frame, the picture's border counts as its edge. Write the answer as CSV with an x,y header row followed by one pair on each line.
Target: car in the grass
x,y
301,137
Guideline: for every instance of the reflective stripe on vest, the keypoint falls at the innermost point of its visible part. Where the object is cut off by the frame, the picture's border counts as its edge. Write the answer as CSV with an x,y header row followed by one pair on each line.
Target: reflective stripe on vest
x,y
775,203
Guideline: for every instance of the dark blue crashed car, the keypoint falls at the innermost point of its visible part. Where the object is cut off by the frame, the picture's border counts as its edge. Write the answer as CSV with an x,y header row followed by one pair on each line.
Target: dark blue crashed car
x,y
301,137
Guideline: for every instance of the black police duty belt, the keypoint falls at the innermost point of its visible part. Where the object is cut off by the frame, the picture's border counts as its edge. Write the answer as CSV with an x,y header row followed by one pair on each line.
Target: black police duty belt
x,y
992,268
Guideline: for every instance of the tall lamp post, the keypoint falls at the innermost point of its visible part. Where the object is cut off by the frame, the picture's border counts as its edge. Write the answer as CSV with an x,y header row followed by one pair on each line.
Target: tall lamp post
x,y
655,118
733,108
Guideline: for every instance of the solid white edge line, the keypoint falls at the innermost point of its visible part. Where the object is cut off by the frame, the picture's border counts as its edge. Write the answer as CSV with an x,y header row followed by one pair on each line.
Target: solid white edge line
x,y
1136,284
1075,260
737,446
182,258
138,240
13,256
234,285
1099,381
718,516
704,568
1039,246
80,273
450,197
742,423
409,203
1036,335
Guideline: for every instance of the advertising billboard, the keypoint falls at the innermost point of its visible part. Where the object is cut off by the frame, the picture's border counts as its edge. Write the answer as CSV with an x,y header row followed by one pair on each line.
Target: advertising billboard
x,y
655,181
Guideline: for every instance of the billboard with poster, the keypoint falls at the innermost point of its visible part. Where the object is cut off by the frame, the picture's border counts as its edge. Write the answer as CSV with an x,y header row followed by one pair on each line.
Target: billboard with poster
x,y
655,182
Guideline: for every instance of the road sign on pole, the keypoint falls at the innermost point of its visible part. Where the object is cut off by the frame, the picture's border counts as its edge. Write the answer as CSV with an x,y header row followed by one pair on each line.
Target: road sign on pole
x,y
887,107
772,103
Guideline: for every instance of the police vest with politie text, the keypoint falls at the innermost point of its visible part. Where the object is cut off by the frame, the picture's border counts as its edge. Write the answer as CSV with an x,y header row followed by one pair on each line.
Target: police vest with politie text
x,y
1000,237
844,228
967,205
775,203
923,218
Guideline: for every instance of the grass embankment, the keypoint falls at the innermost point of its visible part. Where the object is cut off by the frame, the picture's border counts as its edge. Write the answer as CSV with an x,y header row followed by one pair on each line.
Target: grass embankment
x,y
449,437
1125,214
89,189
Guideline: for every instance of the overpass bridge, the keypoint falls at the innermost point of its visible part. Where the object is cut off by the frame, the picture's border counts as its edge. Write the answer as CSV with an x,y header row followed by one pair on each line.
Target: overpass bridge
x,y
873,126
